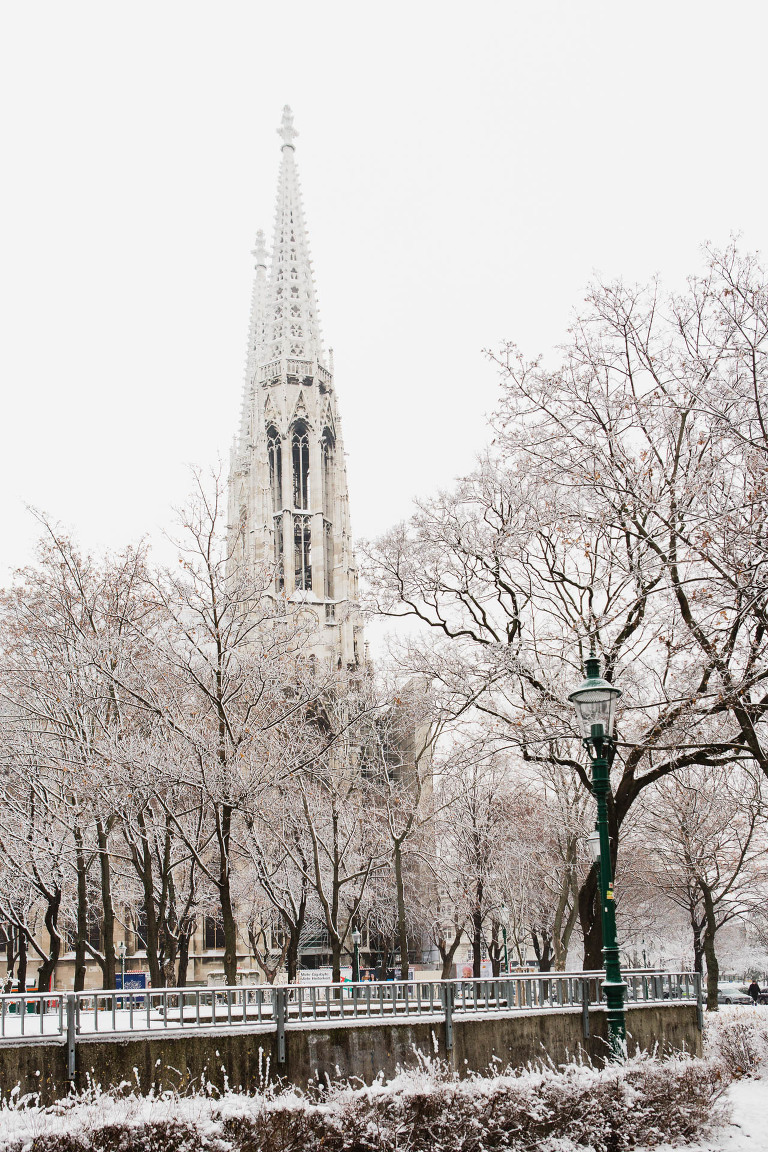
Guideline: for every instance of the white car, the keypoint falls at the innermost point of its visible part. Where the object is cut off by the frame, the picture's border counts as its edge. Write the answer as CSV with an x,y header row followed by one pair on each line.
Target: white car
x,y
732,994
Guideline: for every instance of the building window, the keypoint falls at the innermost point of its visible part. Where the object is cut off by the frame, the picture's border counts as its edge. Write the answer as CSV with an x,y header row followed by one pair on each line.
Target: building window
x,y
213,934
302,552
275,457
140,928
300,446
93,929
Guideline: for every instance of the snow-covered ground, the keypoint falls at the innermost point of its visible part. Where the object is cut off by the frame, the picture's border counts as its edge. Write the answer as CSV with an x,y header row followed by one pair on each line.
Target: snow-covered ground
x,y
748,1129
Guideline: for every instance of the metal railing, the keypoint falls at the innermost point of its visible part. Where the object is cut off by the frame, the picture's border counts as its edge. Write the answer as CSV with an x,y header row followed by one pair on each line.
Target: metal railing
x,y
69,1016
30,1015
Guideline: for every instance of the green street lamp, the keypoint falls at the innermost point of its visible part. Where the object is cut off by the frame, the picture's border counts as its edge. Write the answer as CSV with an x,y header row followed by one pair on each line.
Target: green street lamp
x,y
595,704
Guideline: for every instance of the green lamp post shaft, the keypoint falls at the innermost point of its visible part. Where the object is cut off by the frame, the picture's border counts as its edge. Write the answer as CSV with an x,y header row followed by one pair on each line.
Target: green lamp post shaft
x,y
613,985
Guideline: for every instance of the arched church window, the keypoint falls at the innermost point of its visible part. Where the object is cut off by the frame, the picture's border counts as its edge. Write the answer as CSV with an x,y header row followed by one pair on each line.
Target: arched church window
x,y
328,559
279,566
302,552
300,450
275,458
327,452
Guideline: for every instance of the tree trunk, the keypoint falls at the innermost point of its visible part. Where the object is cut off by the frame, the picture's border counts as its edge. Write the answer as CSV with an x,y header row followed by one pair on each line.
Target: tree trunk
x,y
402,928
22,960
591,922
82,912
292,958
295,928
48,967
477,930
108,911
383,959
230,932
143,864
567,910
336,949
698,949
225,897
185,935
11,956
710,931
542,947
448,954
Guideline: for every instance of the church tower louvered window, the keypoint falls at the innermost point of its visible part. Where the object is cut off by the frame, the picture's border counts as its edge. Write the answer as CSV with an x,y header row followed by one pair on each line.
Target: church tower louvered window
x,y
275,458
300,449
275,464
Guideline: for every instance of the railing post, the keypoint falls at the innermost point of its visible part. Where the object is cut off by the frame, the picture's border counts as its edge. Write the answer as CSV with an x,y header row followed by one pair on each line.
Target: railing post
x,y
447,991
699,1001
71,1035
280,1009
585,1008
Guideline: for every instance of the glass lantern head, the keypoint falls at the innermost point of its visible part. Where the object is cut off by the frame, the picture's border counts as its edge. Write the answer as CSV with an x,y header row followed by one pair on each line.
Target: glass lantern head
x,y
593,844
357,937
121,950
595,701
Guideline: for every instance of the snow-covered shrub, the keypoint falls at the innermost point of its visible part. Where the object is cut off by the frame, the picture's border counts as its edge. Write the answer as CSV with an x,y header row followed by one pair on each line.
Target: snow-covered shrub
x,y
738,1039
645,1102
429,1109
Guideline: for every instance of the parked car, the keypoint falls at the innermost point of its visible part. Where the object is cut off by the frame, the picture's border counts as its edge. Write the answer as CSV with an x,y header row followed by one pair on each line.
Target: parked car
x,y
732,994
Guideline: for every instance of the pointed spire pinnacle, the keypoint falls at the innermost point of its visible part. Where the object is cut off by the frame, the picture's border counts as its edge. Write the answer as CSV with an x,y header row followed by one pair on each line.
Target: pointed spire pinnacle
x,y
292,327
259,250
286,131
255,352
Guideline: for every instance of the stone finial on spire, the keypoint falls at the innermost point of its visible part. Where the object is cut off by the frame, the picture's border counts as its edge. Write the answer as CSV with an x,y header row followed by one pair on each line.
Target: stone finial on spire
x,y
259,250
286,131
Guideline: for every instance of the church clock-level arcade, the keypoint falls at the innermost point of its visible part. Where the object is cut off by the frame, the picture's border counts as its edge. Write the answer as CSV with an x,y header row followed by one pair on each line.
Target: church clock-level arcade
x,y
288,501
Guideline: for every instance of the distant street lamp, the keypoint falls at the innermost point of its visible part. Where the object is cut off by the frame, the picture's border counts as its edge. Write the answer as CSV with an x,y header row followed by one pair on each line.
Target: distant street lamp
x,y
506,954
595,704
121,958
356,941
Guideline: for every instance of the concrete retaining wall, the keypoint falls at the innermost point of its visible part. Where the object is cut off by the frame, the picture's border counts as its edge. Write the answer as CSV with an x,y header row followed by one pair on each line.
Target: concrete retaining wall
x,y
246,1058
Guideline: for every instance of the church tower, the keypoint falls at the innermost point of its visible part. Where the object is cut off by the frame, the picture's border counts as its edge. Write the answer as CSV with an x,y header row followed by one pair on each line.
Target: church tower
x,y
288,500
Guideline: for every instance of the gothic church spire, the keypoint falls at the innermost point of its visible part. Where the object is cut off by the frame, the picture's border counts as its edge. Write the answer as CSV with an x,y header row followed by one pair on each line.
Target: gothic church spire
x,y
288,499
291,323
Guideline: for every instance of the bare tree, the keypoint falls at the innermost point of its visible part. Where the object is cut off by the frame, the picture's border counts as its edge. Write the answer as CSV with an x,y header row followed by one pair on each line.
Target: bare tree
x,y
221,669
61,621
623,503
710,842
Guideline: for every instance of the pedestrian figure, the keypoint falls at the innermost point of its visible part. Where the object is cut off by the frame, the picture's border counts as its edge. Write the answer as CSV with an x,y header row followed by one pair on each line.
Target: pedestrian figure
x,y
754,991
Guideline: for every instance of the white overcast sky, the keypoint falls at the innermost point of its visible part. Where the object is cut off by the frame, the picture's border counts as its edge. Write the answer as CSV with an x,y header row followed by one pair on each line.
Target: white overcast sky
x,y
466,168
